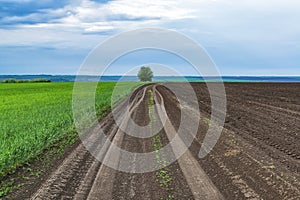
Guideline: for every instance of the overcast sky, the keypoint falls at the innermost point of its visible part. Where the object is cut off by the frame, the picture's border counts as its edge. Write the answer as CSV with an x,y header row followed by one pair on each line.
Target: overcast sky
x,y
243,37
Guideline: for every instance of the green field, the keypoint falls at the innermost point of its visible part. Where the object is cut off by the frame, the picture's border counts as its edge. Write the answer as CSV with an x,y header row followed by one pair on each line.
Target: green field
x,y
35,116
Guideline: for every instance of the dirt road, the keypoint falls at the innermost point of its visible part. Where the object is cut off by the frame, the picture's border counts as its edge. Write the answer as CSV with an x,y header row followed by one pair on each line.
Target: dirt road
x,y
257,156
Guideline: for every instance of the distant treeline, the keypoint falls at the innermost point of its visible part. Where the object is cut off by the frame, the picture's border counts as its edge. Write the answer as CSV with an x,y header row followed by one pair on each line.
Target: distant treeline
x,y
37,80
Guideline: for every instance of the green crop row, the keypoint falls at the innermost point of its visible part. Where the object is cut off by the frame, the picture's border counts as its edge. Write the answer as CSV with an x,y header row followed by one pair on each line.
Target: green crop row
x,y
35,116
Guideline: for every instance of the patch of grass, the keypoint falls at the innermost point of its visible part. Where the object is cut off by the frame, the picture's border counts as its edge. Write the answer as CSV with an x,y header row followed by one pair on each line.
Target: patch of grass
x,y
163,175
38,116
6,187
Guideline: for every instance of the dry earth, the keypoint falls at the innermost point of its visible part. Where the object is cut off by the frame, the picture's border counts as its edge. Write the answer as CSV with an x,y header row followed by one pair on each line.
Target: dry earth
x,y
256,157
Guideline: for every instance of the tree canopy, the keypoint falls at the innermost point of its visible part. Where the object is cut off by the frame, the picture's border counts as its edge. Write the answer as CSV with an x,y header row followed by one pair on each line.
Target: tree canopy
x,y
145,74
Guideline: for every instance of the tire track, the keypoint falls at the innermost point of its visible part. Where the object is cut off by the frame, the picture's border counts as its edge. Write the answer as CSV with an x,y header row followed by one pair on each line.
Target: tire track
x,y
198,181
79,165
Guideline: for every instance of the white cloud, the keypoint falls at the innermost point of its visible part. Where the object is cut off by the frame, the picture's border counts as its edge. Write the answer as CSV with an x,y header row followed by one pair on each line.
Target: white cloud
x,y
117,14
86,11
17,1
53,26
249,32
219,21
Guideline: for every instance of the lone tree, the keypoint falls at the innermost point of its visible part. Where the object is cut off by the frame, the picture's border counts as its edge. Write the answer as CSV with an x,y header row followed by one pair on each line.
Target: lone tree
x,y
145,74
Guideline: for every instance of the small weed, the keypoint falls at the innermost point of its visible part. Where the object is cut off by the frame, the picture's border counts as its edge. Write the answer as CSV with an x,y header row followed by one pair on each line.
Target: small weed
x,y
38,173
206,121
163,176
269,167
232,152
6,187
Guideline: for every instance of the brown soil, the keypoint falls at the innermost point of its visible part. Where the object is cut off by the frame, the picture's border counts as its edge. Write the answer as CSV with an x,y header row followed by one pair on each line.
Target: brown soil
x,y
257,156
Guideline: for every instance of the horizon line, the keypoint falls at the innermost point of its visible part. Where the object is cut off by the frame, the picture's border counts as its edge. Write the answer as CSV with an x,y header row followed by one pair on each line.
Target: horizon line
x,y
153,76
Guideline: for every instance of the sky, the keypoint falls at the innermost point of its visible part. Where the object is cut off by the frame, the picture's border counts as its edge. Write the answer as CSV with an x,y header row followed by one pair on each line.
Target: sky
x,y
248,37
